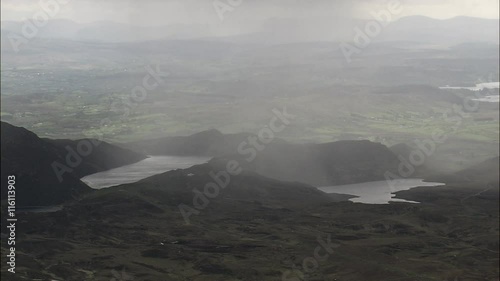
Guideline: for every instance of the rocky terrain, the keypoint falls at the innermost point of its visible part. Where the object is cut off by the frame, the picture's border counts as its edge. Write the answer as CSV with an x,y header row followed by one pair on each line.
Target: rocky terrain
x,y
137,231
211,221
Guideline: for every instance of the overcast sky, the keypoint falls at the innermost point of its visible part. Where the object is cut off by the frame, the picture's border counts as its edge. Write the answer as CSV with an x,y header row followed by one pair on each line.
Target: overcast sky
x,y
157,12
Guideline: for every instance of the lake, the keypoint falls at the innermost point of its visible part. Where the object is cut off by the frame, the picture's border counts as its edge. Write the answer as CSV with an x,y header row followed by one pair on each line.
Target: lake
x,y
378,192
134,172
479,87
492,98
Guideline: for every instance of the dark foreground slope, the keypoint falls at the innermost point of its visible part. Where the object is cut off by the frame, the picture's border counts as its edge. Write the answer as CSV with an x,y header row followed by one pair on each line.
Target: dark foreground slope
x,y
30,160
258,229
48,171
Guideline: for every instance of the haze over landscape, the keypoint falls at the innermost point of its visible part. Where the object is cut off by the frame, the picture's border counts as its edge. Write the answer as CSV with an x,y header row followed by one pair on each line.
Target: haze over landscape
x,y
250,140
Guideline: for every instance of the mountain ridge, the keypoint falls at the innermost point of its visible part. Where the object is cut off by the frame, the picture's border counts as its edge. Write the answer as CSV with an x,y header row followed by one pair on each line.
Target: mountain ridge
x,y
48,171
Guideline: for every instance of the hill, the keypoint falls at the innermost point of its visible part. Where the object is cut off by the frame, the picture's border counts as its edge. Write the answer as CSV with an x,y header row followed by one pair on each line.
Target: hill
x,y
272,31
341,162
30,160
428,30
205,143
334,163
47,171
104,156
486,172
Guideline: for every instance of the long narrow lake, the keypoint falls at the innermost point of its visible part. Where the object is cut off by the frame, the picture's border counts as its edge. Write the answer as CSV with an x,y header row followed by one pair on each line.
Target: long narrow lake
x,y
378,192
148,167
479,87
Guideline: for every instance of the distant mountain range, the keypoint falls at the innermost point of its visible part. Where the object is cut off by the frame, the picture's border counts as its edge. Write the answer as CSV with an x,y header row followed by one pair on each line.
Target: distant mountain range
x,y
275,31
452,31
206,143
105,31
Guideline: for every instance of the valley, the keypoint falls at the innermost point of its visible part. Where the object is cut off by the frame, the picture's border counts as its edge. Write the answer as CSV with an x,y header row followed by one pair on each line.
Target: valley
x,y
238,141
139,230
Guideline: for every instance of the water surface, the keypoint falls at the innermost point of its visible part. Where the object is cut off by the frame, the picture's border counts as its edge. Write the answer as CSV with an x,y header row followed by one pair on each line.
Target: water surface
x,y
480,87
148,167
378,192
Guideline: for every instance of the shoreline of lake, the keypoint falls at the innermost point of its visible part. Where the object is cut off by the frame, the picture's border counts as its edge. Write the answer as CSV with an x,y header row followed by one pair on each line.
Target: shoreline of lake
x,y
378,192
148,167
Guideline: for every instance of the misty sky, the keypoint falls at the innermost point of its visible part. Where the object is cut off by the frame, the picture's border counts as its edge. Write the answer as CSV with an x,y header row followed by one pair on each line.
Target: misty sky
x,y
160,12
